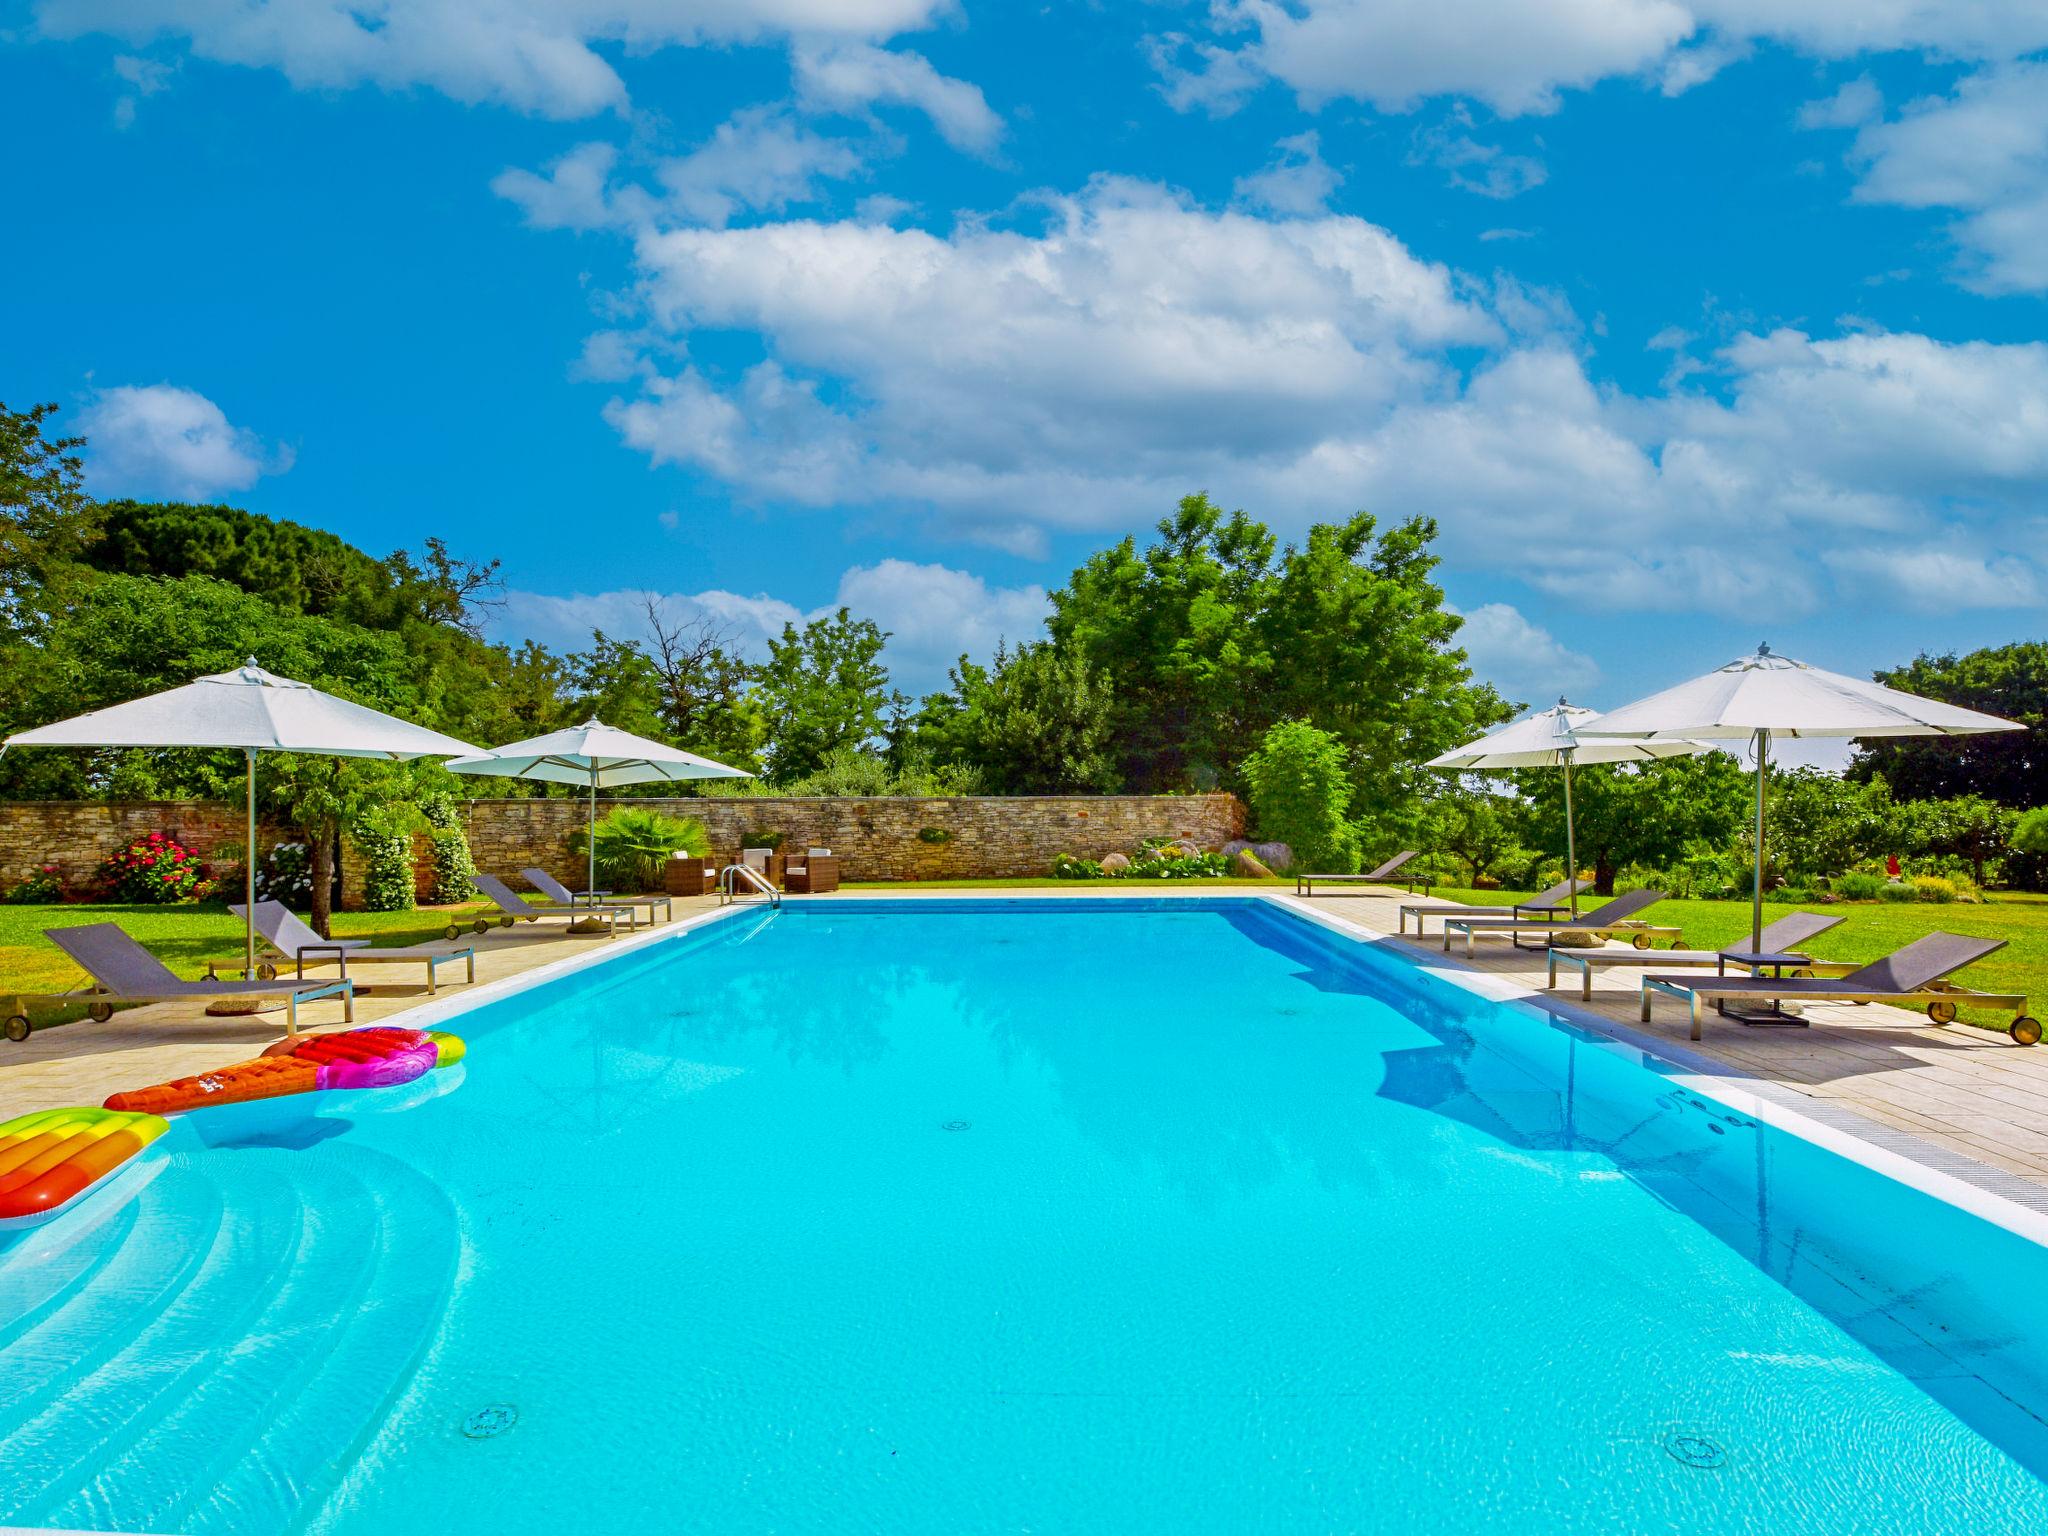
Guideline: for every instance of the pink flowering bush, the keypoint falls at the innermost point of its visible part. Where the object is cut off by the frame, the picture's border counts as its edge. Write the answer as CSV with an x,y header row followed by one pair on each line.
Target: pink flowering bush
x,y
152,869
41,886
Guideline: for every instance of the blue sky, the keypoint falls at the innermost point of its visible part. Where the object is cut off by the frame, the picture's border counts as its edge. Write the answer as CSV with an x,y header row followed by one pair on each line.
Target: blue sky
x,y
1693,322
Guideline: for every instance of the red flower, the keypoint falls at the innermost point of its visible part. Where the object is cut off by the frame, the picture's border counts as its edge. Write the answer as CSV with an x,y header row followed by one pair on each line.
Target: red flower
x,y
170,879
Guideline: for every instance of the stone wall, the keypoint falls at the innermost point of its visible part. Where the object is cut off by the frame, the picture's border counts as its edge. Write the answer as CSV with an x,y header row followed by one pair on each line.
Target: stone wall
x,y
875,839
77,835
879,839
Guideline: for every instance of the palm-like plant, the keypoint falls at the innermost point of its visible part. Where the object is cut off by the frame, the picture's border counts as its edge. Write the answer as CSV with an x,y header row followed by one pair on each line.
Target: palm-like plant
x,y
634,841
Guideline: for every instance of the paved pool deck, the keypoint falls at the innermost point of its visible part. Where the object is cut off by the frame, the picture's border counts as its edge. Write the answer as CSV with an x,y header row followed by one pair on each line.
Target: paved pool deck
x,y
1964,1101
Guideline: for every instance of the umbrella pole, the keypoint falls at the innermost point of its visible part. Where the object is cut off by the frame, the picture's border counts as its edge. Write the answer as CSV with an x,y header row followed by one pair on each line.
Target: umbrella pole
x,y
1756,887
1571,847
249,869
590,839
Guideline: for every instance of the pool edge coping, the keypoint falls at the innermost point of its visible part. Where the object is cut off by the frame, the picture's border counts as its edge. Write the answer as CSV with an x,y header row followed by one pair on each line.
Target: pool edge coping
x,y
1955,1178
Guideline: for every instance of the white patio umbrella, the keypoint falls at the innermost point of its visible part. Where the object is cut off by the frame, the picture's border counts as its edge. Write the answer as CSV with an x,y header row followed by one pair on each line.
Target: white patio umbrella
x,y
1555,738
1767,695
593,753
248,710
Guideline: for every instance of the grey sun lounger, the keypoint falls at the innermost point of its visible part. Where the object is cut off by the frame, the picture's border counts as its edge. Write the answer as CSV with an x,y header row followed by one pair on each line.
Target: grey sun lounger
x,y
589,901
124,972
1780,949
1552,900
1603,921
1305,885
1908,977
514,908
287,936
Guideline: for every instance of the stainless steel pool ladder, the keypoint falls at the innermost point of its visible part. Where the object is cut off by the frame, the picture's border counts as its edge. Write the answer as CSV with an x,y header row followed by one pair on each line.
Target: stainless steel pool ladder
x,y
730,878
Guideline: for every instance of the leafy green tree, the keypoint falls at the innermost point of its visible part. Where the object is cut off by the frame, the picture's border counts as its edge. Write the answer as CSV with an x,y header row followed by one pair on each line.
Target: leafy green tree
x,y
2010,767
705,688
1300,780
46,519
823,687
1648,813
614,681
1035,721
1822,824
1968,827
1212,635
1482,829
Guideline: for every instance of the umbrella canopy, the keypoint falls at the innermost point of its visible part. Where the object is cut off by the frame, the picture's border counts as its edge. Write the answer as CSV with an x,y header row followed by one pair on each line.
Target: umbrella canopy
x,y
1554,738
1765,695
594,754
252,711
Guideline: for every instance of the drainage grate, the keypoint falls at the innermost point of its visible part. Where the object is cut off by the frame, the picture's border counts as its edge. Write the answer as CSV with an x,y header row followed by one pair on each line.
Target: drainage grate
x,y
957,1125
493,1419
1695,1451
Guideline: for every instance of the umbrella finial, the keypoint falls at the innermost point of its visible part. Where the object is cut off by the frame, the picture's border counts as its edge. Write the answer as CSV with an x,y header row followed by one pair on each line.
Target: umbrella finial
x,y
1563,702
1763,648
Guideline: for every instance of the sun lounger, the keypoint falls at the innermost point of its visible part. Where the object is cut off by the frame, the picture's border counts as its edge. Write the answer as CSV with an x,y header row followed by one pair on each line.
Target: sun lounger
x,y
1603,921
1780,951
1556,899
1908,977
1305,885
514,908
284,933
124,972
589,901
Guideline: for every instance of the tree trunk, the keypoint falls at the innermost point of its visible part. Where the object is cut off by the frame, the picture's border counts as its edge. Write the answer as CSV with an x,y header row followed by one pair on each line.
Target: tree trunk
x,y
1603,875
322,865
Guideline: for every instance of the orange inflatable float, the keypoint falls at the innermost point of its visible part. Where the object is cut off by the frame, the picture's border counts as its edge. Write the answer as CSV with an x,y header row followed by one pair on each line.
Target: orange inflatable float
x,y
379,1056
49,1158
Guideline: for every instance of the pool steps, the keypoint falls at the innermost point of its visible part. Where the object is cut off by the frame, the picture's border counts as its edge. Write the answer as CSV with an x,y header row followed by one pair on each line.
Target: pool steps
x,y
336,1272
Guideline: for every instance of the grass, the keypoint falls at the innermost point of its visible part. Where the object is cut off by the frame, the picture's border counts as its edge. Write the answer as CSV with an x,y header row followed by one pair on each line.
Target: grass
x,y
1869,930
183,937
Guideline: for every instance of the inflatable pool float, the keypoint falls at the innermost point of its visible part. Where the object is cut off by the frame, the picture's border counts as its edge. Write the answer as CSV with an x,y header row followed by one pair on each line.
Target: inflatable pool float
x,y
50,1158
379,1056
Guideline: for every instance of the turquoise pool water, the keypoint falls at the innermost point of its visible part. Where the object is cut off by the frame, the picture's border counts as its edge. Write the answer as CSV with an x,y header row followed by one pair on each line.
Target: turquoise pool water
x,y
1015,1217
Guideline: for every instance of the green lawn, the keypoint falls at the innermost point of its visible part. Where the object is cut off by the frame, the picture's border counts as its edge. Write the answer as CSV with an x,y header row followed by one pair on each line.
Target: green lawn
x,y
1868,930
184,938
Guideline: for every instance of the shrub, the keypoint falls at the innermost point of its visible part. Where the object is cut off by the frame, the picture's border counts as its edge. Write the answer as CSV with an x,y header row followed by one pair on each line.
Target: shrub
x,y
934,835
155,868
454,869
634,841
1898,890
39,888
286,875
1300,783
384,838
760,837
1149,864
1933,888
1859,886
1065,866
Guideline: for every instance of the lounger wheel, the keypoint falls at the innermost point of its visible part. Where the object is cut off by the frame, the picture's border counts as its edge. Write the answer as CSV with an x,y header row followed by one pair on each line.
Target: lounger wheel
x,y
1803,972
452,931
1641,941
18,1027
1942,1011
2025,1030
99,1013
265,971
503,922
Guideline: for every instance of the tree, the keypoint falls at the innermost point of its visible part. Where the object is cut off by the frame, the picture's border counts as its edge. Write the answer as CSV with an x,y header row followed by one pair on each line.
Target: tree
x,y
1481,828
1300,780
1035,721
1648,813
704,682
1212,635
614,681
1967,827
46,519
2010,767
822,687
1822,824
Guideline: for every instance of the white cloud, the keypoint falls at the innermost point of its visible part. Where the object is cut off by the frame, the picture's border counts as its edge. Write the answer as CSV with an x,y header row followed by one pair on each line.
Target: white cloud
x,y
144,77
161,440
1296,182
539,56
1473,166
1523,660
851,77
1984,152
1520,56
933,614
1856,103
1936,579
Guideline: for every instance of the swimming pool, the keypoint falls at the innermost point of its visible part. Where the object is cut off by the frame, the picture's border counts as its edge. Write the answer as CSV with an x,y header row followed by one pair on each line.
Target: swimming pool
x,y
961,1216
